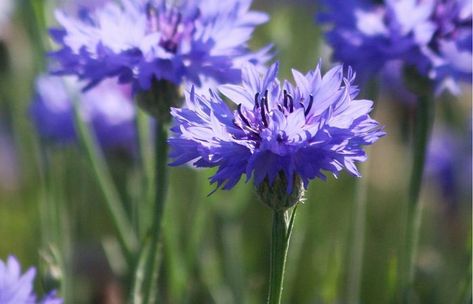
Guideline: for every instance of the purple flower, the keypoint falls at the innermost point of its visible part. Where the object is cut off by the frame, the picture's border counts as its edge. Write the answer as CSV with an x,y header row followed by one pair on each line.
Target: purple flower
x,y
108,108
449,162
300,131
442,151
138,41
17,288
435,36
391,82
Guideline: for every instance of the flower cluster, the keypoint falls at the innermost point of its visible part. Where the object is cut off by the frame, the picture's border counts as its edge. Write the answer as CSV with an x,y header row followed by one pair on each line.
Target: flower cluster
x,y
298,131
17,288
108,108
138,41
435,36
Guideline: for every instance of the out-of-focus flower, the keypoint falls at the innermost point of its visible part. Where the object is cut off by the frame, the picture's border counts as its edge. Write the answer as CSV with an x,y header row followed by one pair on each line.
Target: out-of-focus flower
x,y
449,162
442,151
392,82
17,288
138,41
108,108
276,129
435,36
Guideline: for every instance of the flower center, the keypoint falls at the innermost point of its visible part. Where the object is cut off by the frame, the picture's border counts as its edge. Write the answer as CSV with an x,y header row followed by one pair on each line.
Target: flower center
x,y
257,119
170,24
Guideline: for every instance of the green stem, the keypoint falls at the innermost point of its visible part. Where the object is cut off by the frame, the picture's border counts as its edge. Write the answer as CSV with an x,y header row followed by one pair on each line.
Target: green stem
x,y
147,156
55,233
281,234
139,276
423,124
113,202
33,13
156,101
146,273
160,196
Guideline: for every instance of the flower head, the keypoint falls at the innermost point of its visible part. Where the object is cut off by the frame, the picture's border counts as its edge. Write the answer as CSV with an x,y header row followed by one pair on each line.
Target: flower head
x,y
17,288
138,41
435,36
108,108
295,130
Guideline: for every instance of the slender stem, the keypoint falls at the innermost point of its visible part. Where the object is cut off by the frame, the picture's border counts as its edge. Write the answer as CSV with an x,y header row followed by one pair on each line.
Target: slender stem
x,y
147,156
423,124
113,202
281,234
35,21
160,196
156,101
146,273
139,276
55,234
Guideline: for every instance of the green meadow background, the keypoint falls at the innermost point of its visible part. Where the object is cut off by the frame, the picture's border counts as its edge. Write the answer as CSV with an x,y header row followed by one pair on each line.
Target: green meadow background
x,y
216,248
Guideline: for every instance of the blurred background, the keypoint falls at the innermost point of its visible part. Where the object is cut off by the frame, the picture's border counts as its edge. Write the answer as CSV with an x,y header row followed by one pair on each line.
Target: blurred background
x,y
216,248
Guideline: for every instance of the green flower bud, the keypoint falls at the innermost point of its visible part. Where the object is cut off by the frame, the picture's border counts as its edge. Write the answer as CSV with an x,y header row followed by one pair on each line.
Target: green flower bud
x,y
276,196
159,99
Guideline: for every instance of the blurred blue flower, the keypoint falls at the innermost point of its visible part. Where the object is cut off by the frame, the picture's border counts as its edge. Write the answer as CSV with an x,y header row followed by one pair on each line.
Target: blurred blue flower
x,y
17,288
276,128
391,82
442,151
108,108
435,36
449,162
138,41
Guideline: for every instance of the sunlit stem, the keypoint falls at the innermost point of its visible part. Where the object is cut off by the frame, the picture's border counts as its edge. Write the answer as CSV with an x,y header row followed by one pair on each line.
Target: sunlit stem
x,y
114,205
156,102
283,223
55,251
156,229
147,162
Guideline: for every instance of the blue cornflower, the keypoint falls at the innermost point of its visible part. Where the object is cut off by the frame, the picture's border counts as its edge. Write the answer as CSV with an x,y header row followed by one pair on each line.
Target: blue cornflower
x,y
17,288
276,129
448,162
139,41
108,108
435,36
